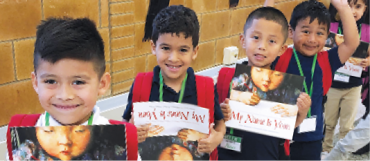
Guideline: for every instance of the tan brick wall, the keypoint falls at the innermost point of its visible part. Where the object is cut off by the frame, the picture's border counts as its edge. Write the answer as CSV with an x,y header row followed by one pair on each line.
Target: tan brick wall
x,y
121,24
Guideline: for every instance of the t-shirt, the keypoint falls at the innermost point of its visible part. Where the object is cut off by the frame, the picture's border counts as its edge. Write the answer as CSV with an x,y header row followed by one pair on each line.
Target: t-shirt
x,y
317,95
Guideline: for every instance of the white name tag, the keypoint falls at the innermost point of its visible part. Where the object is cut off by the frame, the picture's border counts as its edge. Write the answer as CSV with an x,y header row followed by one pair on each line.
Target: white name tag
x,y
308,125
341,77
232,143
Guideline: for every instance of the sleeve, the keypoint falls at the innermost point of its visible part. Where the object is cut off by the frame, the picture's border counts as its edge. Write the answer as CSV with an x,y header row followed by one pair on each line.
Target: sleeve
x,y
217,109
334,60
128,110
354,140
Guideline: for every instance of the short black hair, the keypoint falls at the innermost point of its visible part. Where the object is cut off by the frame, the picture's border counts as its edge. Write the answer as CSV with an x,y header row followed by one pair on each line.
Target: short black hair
x,y
61,38
176,19
364,19
270,14
310,9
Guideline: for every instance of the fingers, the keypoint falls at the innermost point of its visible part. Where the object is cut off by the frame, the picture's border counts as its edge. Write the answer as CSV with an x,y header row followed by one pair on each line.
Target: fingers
x,y
142,133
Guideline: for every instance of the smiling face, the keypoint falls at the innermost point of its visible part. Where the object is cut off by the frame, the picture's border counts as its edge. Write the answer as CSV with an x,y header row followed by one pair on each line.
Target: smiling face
x,y
64,142
69,89
263,42
309,38
174,55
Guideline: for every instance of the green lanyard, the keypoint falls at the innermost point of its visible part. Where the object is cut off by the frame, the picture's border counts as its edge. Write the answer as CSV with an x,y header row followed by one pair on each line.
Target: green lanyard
x,y
301,72
161,87
47,116
340,31
231,129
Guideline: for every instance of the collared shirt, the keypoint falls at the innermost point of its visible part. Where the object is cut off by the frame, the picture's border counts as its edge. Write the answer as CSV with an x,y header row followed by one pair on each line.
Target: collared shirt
x,y
170,95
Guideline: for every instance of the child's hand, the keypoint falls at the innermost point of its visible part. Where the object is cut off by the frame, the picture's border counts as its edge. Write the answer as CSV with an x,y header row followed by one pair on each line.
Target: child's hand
x,y
255,99
155,130
339,4
142,132
365,63
303,103
207,145
190,135
226,110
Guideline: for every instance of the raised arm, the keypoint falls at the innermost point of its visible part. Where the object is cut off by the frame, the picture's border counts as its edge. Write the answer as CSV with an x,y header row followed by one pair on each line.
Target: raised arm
x,y
350,32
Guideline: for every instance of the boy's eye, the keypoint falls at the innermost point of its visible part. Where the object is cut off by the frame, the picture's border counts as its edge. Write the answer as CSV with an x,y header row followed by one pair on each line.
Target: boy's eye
x,y
50,81
272,41
79,83
306,32
255,37
320,33
165,48
184,50
358,6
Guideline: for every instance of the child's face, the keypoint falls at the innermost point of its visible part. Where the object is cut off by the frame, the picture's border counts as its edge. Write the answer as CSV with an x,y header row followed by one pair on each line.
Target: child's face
x,y
69,89
266,79
64,142
174,54
175,152
358,9
263,42
309,38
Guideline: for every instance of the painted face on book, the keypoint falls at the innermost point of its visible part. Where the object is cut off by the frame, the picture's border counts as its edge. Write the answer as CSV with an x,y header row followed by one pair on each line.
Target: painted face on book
x,y
266,79
69,89
64,142
358,9
309,38
175,152
263,41
175,54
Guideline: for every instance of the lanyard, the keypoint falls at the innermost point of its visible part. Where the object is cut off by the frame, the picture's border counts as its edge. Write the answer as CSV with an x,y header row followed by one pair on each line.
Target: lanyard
x,y
340,31
161,87
47,116
312,73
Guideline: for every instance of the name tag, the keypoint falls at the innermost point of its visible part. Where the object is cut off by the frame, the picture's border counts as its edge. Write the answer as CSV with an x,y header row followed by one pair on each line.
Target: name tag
x,y
341,77
232,143
308,125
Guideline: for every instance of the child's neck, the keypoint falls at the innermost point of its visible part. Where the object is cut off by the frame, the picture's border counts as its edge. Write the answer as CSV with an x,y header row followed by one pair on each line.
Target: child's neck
x,y
78,122
268,66
175,84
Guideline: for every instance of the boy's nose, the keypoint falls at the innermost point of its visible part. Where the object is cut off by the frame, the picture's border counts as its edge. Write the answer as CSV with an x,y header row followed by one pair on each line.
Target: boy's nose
x,y
262,46
65,93
312,38
173,57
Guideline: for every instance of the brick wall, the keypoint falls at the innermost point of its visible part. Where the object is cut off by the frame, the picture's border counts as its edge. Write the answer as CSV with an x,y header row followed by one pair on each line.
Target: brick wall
x,y
121,24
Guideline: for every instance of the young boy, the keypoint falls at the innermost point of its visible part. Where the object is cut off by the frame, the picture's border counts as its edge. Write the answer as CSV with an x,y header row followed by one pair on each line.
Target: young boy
x,y
69,76
309,29
174,42
265,32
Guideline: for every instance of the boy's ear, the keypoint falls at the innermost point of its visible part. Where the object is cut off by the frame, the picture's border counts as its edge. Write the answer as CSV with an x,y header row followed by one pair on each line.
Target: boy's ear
x,y
282,50
152,45
241,40
290,35
195,52
104,83
34,82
